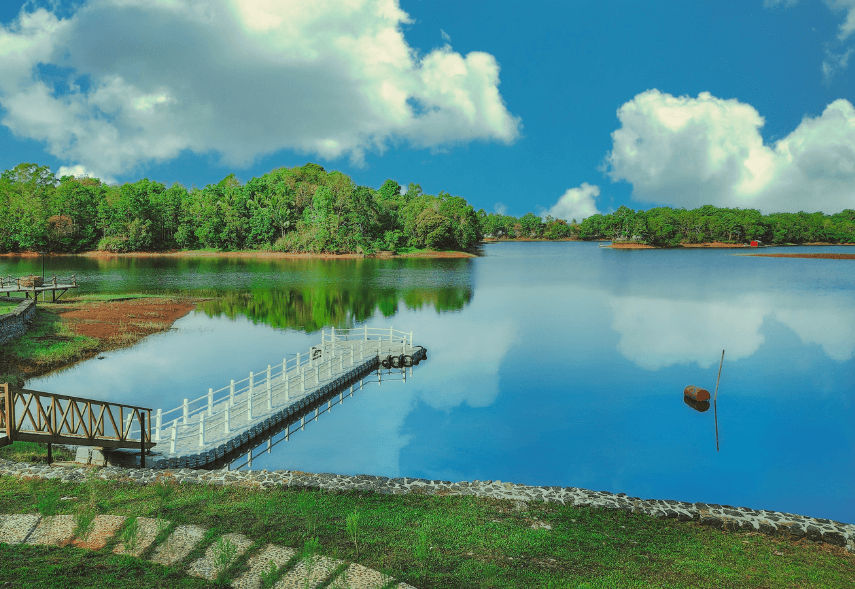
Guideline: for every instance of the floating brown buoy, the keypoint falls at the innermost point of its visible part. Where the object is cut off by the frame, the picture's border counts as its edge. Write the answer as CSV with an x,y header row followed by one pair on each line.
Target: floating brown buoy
x,y
696,393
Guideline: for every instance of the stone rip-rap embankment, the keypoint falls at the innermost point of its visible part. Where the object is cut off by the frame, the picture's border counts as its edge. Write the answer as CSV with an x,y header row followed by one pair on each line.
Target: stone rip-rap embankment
x,y
717,516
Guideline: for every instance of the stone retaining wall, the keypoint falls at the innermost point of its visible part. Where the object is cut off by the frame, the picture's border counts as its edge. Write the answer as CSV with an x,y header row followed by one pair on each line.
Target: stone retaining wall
x,y
15,324
717,516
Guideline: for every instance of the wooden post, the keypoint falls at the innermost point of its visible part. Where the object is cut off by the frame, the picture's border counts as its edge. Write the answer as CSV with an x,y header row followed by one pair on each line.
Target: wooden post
x,y
142,439
9,410
719,376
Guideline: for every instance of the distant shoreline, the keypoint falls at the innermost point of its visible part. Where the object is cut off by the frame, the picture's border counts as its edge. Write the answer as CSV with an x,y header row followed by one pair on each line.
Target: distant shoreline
x,y
245,254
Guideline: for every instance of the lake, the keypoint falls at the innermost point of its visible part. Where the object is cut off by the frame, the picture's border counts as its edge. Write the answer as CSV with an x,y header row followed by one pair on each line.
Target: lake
x,y
549,364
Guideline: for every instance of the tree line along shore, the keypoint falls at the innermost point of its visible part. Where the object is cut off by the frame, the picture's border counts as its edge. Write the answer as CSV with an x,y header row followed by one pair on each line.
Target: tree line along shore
x,y
306,209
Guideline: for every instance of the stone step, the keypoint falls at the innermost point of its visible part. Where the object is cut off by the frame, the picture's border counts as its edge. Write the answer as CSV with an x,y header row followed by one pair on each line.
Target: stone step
x,y
147,530
178,545
262,563
60,530
15,529
56,530
308,573
219,556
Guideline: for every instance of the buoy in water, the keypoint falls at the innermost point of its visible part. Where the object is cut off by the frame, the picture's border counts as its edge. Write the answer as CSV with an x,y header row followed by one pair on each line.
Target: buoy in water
x,y
696,393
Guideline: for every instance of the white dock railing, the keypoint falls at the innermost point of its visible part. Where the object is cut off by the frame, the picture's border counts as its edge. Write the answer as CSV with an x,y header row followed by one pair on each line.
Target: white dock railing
x,y
220,414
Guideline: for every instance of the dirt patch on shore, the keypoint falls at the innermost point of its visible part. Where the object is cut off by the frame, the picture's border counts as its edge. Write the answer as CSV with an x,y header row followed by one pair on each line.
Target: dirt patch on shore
x,y
110,325
819,256
124,320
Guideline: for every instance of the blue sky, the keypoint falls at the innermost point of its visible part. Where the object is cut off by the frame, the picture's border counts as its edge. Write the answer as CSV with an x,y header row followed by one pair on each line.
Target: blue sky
x,y
568,108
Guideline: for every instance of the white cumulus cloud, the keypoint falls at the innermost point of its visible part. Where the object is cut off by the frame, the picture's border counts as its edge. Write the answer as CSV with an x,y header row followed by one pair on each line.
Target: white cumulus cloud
x,y
124,82
686,151
576,203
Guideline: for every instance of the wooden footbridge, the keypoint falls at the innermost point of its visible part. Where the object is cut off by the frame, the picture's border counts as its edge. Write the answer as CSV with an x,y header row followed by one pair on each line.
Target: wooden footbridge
x,y
31,287
224,424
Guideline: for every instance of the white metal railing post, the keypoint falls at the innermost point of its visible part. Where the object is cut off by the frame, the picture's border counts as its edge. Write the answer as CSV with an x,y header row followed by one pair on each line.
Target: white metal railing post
x,y
232,393
366,331
318,375
269,390
332,335
351,355
284,369
186,411
202,429
287,386
173,437
228,420
302,379
210,402
158,424
411,339
249,398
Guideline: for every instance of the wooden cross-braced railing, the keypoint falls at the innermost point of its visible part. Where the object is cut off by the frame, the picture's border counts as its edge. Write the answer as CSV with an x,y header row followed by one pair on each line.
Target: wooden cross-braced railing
x,y
34,416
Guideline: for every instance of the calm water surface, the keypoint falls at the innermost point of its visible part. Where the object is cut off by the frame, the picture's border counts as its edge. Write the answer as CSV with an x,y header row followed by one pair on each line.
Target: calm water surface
x,y
549,364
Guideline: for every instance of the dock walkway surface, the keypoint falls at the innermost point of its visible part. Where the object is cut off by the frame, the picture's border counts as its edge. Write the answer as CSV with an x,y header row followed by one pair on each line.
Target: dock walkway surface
x,y
224,423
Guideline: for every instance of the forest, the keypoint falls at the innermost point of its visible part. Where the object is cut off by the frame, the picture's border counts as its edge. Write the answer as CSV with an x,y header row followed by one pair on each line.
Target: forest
x,y
307,209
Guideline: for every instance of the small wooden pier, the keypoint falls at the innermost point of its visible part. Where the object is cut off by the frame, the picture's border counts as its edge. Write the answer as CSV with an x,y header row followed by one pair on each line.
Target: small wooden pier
x,y
224,424
30,289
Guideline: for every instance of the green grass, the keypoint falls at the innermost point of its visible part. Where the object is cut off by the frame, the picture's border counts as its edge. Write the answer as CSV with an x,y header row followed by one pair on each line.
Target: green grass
x,y
33,453
39,567
7,305
443,542
49,341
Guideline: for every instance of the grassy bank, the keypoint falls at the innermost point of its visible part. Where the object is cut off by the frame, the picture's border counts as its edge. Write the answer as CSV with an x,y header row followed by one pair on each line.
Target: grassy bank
x,y
33,453
427,541
49,342
74,329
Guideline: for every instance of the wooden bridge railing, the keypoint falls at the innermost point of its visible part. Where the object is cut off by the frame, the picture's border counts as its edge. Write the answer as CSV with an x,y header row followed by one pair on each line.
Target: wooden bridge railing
x,y
34,416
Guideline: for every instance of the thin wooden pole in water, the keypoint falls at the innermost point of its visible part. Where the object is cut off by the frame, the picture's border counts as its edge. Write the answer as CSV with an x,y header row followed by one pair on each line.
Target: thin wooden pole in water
x,y
719,376
715,410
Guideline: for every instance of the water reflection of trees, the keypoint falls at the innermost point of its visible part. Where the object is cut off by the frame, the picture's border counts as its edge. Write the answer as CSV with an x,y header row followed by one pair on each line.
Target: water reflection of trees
x,y
313,308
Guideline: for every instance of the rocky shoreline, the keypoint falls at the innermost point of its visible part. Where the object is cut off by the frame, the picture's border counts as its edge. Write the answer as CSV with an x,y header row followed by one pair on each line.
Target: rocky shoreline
x,y
717,516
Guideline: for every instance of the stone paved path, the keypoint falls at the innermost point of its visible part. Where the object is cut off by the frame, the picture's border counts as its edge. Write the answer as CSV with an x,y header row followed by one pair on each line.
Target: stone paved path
x,y
174,550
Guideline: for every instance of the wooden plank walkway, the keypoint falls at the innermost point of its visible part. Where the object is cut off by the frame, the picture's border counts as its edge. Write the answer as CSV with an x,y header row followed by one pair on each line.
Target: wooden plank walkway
x,y
11,285
209,430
